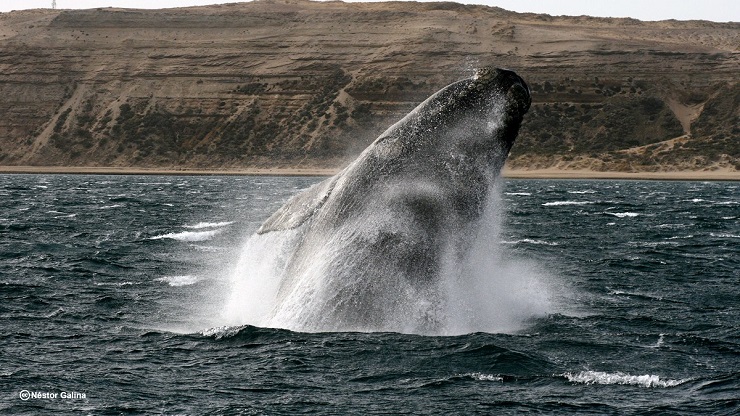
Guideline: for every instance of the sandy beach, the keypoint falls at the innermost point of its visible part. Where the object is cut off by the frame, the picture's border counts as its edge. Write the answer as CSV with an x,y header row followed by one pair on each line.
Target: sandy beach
x,y
713,175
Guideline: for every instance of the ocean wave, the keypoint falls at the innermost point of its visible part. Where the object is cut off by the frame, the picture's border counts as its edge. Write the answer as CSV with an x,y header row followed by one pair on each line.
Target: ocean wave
x,y
623,214
189,235
222,331
209,225
588,191
111,206
126,283
184,280
724,235
680,237
57,312
558,203
530,241
518,193
652,244
604,378
483,377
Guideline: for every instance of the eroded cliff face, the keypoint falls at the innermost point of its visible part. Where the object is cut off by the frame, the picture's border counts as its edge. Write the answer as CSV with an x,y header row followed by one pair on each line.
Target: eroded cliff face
x,y
296,83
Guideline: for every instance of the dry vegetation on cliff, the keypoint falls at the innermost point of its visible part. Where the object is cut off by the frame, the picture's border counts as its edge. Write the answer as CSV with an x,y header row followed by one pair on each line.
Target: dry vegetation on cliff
x,y
297,83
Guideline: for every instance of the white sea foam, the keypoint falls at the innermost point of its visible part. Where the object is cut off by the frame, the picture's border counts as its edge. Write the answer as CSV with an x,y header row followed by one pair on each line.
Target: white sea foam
x,y
724,235
191,236
623,214
483,377
488,290
604,378
126,283
184,280
652,243
111,206
681,237
58,311
559,203
222,331
519,193
660,341
530,241
588,191
209,225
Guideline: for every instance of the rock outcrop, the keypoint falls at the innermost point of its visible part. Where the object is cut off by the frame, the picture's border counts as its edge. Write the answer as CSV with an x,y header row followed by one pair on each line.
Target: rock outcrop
x,y
298,83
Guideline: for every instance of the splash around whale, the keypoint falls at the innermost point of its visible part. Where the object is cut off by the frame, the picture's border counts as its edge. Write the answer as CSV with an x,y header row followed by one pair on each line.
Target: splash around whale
x,y
403,238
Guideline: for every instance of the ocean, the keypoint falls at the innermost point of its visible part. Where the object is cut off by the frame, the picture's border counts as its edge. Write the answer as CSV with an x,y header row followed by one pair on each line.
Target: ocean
x,y
620,298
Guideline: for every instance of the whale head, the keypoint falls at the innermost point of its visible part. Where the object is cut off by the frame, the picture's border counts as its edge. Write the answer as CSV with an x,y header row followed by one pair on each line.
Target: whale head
x,y
475,119
457,139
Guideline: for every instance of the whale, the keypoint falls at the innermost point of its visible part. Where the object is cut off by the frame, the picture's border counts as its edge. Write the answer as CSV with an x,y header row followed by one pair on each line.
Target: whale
x,y
370,248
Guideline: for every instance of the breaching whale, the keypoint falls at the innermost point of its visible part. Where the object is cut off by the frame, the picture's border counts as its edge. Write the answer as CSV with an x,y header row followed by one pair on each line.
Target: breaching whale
x,y
369,248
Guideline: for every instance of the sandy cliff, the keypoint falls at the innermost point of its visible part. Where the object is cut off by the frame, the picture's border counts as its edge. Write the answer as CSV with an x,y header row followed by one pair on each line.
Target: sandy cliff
x,y
297,83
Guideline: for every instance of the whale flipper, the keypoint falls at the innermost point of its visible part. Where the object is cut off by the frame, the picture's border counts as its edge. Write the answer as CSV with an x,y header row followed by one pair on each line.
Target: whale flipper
x,y
299,208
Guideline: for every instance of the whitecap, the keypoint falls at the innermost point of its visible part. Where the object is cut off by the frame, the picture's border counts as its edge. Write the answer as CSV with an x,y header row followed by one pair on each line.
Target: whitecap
x,y
126,283
680,237
219,332
659,342
674,226
724,235
189,235
483,377
588,191
604,378
518,193
623,214
652,243
209,224
531,241
111,206
558,203
58,311
184,280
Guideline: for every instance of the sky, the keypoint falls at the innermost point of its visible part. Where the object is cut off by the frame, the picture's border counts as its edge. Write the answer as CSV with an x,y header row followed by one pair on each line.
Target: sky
x,y
714,10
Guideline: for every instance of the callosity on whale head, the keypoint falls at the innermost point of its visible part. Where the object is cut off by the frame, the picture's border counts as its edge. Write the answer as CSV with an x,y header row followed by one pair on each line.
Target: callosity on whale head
x,y
372,247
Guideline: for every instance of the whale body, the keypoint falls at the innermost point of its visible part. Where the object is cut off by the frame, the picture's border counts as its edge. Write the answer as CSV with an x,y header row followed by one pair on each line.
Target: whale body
x,y
370,248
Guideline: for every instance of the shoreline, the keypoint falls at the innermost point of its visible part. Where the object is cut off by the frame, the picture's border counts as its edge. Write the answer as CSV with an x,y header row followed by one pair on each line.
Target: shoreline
x,y
714,175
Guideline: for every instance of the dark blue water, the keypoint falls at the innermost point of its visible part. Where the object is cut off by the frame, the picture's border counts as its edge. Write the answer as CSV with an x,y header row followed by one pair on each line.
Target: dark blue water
x,y
112,287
